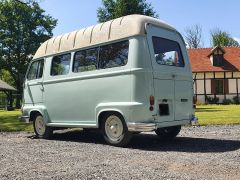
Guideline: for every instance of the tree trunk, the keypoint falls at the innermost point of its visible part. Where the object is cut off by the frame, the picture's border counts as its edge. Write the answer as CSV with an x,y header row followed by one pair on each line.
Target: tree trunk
x,y
19,95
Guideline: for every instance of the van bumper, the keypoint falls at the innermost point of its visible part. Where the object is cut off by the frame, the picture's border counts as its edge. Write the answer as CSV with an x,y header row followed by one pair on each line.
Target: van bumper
x,y
24,119
141,127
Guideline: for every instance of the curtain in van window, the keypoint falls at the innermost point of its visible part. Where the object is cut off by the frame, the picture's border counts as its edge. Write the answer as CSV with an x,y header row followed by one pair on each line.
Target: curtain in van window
x,y
113,55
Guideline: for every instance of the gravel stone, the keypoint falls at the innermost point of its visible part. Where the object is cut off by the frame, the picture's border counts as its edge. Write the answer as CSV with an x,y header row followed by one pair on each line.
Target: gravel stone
x,y
208,152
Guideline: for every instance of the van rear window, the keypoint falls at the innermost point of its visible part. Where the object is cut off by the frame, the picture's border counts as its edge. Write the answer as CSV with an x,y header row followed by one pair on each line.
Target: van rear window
x,y
60,64
167,52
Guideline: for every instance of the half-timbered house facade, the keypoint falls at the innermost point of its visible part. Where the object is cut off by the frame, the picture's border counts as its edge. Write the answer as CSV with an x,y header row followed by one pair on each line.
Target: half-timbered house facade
x,y
216,73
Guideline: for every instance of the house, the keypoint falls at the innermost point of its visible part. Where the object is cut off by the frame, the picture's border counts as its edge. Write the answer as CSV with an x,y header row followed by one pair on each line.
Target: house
x,y
6,98
216,73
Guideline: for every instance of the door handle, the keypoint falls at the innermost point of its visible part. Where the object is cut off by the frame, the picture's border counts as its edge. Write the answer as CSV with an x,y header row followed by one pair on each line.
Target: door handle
x,y
41,87
173,75
184,100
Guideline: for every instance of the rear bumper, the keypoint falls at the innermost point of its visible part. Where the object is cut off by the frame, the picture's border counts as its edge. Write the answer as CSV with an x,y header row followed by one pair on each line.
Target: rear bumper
x,y
146,127
24,119
141,127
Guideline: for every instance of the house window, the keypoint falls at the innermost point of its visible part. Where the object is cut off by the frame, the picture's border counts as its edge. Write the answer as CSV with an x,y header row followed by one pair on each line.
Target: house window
x,y
218,60
219,86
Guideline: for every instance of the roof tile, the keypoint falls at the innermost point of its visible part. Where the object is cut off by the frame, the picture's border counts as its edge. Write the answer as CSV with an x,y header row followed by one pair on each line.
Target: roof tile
x,y
201,62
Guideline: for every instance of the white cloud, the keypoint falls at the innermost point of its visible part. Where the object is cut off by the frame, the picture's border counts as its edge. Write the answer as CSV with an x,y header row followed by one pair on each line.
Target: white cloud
x,y
237,39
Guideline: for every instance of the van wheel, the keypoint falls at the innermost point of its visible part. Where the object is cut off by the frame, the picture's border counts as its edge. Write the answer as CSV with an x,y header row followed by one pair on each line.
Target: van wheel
x,y
168,133
40,128
114,130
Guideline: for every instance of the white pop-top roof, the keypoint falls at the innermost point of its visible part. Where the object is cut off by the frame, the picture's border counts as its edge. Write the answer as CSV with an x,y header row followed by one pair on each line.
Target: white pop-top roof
x,y
119,28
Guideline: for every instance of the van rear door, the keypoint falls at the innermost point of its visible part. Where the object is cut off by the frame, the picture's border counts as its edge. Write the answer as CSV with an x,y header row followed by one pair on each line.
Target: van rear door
x,y
172,74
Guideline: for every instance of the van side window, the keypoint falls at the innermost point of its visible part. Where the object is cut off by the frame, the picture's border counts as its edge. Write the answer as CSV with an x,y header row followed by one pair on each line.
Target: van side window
x,y
60,64
113,55
36,70
167,52
85,60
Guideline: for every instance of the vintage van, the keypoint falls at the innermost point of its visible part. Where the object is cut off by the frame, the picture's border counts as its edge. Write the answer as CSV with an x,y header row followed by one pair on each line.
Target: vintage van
x,y
130,74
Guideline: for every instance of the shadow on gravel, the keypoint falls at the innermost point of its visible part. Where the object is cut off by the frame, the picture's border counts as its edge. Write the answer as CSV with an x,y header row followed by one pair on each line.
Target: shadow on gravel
x,y
184,144
150,142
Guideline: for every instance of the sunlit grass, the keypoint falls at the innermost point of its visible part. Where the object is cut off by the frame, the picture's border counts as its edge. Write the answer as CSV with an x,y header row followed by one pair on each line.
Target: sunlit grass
x,y
207,115
218,114
9,122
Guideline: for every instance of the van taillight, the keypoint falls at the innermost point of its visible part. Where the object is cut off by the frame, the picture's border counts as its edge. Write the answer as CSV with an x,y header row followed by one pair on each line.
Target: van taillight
x,y
151,101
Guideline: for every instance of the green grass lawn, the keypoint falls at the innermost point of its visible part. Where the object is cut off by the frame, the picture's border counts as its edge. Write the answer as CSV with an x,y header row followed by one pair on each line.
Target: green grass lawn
x,y
207,114
218,114
9,122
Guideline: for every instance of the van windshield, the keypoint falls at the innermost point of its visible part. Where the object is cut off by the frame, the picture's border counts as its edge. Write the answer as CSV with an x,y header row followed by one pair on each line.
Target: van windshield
x,y
167,52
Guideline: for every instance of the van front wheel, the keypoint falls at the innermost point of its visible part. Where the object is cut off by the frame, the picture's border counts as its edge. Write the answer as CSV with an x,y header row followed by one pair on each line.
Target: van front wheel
x,y
40,128
114,130
168,133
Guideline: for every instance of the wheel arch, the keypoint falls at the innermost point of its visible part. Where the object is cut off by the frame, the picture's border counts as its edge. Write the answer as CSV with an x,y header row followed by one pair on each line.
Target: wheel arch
x,y
34,113
104,112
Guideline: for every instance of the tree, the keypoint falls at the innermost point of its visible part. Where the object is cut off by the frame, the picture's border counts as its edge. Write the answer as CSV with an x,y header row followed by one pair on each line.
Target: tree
x,y
5,76
23,28
193,36
222,38
117,8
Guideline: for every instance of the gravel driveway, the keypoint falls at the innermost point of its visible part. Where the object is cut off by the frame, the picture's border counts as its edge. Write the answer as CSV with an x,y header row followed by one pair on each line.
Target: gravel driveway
x,y
211,152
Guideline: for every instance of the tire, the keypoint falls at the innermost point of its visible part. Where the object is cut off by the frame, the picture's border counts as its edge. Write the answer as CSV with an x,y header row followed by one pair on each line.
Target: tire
x,y
40,128
114,130
168,133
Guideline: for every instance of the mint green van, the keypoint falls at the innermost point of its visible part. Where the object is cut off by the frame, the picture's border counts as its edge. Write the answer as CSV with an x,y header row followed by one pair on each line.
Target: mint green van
x,y
124,76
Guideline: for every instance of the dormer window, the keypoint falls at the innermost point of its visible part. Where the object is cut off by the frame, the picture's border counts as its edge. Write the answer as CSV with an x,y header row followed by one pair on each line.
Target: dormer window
x,y
218,60
217,56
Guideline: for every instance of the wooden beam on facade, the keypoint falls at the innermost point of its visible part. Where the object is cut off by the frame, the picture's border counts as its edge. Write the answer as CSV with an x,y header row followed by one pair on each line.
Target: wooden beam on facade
x,y
204,84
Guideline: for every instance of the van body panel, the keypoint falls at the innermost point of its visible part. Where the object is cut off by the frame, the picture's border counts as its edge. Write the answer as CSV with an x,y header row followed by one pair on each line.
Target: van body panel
x,y
40,108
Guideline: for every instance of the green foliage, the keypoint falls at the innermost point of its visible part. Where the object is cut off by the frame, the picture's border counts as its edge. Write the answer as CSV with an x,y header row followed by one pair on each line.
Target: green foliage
x,y
212,100
227,101
6,76
222,38
236,100
218,114
9,122
117,8
23,28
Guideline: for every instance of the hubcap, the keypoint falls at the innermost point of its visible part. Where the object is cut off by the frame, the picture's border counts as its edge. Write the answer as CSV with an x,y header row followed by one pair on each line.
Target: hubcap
x,y
40,125
114,128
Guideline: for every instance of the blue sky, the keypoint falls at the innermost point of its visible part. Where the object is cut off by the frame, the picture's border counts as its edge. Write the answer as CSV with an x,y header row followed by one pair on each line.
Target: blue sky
x,y
210,14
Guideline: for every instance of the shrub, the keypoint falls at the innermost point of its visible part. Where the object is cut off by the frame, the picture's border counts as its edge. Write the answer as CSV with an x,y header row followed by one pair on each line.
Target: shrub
x,y
236,100
227,101
212,100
